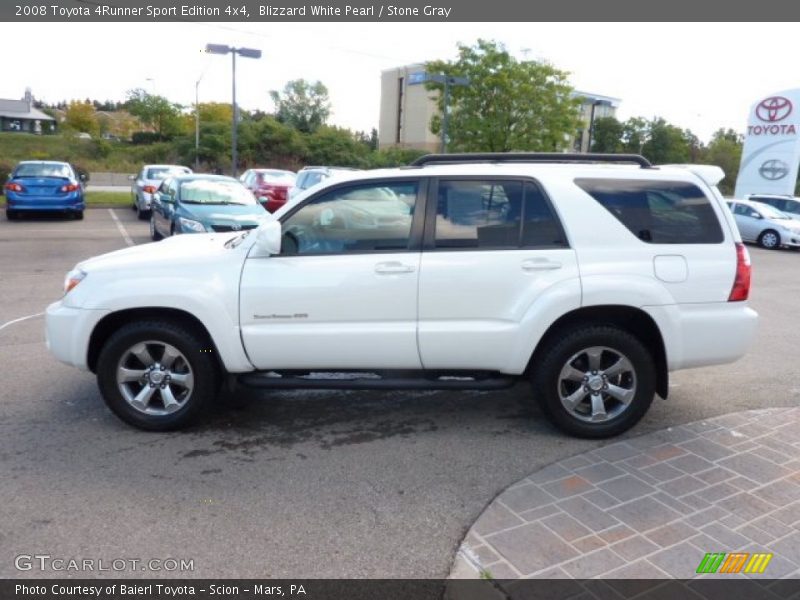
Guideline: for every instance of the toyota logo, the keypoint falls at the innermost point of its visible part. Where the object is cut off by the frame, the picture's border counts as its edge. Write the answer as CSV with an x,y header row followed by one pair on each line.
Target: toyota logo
x,y
774,108
773,169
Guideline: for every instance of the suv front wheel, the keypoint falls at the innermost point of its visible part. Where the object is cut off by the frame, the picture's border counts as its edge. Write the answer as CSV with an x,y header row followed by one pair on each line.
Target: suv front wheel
x,y
157,375
595,381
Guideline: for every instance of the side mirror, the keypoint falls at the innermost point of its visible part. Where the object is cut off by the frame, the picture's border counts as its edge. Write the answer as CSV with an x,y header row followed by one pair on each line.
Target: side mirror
x,y
131,177
82,176
755,215
165,198
268,237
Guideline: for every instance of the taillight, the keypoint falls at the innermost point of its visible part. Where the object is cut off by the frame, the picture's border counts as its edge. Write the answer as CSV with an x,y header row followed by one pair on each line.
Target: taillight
x,y
149,189
70,187
741,283
14,187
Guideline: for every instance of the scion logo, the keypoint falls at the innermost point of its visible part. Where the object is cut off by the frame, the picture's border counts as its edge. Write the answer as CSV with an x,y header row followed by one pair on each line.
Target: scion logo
x,y
774,108
773,169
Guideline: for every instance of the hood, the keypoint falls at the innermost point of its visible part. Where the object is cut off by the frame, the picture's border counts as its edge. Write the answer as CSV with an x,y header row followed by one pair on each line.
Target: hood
x,y
173,250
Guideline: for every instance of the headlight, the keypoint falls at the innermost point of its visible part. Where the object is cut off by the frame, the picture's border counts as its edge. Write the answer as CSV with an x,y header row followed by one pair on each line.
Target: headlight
x,y
191,225
72,279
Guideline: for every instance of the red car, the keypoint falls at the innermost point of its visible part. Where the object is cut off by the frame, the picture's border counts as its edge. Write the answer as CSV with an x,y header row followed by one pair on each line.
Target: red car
x,y
270,186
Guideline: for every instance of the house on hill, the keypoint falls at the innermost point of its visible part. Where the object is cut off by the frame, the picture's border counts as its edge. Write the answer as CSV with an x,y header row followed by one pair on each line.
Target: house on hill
x,y
21,115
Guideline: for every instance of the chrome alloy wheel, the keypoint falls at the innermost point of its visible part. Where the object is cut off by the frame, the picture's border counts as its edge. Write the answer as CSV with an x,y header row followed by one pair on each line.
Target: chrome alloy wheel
x,y
155,378
597,384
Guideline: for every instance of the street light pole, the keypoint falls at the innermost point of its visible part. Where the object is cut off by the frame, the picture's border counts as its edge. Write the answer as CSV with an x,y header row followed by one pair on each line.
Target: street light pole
x,y
197,124
235,126
247,53
447,81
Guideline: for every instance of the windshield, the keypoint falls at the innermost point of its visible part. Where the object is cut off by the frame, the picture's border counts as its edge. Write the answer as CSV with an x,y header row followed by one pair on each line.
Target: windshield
x,y
286,177
43,170
207,191
164,172
768,212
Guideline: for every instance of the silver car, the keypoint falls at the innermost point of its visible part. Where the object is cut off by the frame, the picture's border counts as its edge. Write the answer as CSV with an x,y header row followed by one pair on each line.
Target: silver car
x,y
146,183
765,225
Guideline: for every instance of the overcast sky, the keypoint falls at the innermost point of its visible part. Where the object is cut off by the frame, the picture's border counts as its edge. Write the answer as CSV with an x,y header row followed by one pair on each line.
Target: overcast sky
x,y
697,76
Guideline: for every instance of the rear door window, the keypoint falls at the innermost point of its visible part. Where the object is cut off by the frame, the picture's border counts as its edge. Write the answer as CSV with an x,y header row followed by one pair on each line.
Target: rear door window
x,y
658,212
494,214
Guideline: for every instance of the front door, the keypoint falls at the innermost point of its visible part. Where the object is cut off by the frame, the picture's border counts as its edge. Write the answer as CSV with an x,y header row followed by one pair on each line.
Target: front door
x,y
343,292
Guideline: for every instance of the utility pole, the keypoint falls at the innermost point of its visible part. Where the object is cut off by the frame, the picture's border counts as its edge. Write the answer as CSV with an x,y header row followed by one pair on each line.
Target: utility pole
x,y
447,81
247,53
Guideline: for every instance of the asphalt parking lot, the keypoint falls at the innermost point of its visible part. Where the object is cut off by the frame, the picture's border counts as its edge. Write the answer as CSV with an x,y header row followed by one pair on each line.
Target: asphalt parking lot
x,y
293,484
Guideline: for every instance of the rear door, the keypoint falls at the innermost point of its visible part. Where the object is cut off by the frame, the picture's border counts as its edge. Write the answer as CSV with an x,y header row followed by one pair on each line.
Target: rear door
x,y
492,247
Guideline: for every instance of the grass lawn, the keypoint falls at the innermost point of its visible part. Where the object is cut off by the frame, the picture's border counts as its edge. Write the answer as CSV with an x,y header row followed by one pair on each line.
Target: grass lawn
x,y
116,198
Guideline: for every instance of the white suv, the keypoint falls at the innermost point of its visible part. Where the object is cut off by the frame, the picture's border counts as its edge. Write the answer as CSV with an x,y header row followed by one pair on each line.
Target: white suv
x,y
589,277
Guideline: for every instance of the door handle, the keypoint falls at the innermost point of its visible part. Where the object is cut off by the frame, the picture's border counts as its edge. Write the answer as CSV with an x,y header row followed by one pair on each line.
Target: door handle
x,y
540,264
393,268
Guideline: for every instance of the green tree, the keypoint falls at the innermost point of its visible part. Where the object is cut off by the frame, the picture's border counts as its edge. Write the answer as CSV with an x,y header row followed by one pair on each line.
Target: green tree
x,y
157,112
267,142
508,105
81,117
336,147
667,143
607,135
634,135
725,151
303,105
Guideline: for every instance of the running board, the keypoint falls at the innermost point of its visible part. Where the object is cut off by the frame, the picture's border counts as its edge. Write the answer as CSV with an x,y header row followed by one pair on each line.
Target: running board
x,y
369,381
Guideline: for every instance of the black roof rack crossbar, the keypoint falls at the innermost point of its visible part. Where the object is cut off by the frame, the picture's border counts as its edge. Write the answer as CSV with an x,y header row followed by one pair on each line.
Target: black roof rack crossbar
x,y
550,157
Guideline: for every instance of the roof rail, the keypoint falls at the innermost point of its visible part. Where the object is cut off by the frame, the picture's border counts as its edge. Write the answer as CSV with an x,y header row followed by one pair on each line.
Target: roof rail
x,y
547,157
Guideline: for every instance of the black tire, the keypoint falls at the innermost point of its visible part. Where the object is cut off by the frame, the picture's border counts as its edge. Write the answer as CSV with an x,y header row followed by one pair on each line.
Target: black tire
x,y
547,385
769,239
78,216
196,359
142,215
11,215
154,235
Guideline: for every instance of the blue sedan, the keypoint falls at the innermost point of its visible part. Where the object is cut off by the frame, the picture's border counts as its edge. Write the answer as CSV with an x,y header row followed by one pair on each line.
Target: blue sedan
x,y
44,186
201,204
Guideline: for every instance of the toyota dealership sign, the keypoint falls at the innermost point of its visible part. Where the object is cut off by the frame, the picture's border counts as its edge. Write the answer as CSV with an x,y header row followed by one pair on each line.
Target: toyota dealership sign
x,y
771,152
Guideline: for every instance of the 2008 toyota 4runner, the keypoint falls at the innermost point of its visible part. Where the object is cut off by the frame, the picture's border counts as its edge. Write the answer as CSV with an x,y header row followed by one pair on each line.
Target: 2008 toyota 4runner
x,y
591,276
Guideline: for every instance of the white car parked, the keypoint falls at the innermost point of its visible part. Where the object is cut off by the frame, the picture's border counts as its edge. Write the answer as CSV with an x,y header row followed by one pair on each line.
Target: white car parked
x,y
766,226
147,182
590,278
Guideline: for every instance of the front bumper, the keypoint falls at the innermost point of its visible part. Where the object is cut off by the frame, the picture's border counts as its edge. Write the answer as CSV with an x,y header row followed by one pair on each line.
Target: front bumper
x,y
68,330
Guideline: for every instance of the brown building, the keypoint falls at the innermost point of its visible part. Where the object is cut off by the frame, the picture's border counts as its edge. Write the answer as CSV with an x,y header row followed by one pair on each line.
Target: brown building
x,y
407,107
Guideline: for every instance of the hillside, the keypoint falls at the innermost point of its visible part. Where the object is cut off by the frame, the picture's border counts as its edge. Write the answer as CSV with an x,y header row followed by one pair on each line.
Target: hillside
x,y
89,155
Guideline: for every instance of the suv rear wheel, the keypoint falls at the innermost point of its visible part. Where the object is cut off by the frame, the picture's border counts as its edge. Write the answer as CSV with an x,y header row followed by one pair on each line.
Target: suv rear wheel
x,y
595,381
156,375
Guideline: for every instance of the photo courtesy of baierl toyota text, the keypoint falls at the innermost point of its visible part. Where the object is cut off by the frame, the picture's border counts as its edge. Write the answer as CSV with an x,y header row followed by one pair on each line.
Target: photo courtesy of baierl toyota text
x,y
416,301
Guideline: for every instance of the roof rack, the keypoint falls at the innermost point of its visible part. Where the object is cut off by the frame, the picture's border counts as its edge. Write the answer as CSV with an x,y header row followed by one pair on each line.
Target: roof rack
x,y
546,157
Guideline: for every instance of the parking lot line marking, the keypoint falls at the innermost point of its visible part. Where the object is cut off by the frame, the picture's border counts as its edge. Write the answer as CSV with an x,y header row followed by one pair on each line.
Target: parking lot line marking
x,y
6,324
121,227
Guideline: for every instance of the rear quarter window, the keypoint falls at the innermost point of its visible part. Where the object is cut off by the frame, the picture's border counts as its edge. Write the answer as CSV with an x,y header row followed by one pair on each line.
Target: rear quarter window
x,y
658,212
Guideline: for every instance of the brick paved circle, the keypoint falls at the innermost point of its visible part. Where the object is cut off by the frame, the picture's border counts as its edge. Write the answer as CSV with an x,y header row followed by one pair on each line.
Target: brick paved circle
x,y
651,507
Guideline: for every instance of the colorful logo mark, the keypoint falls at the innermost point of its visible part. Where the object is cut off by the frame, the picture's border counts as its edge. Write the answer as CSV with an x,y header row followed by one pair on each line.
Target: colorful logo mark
x,y
734,562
